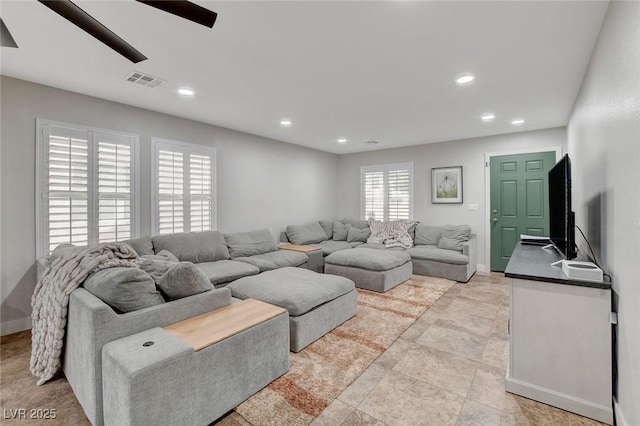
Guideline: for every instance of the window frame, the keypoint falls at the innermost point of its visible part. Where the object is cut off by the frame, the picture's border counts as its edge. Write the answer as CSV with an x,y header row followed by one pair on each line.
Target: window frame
x,y
41,175
386,168
186,149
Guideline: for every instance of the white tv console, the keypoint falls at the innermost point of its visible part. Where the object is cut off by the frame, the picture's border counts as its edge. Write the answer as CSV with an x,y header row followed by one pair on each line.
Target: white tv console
x,y
560,336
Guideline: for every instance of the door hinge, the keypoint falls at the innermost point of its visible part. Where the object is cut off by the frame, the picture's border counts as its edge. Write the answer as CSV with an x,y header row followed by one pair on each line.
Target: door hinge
x,y
486,164
613,318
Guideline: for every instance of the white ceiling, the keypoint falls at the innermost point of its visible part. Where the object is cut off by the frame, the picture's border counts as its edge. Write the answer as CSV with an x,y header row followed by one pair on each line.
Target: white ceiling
x,y
361,70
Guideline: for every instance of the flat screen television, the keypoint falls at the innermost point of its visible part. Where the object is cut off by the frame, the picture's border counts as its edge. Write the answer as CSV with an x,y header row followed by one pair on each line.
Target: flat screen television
x,y
561,217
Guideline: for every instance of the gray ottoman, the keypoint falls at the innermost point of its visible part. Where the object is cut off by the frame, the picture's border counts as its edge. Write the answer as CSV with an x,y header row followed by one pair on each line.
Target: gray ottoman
x,y
317,303
371,269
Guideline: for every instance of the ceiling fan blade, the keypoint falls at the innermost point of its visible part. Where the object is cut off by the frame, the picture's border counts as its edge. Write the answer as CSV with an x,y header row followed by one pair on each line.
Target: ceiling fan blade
x,y
6,39
88,23
185,9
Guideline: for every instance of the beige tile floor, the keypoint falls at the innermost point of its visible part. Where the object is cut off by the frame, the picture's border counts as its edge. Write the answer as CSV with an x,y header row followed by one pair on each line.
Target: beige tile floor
x,y
448,368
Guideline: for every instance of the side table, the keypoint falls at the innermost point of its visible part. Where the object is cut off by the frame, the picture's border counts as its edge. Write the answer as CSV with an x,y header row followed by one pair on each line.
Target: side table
x,y
315,263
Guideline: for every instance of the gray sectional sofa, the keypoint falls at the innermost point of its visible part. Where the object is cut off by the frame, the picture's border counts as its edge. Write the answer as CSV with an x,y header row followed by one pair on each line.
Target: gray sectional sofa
x,y
439,251
97,331
223,258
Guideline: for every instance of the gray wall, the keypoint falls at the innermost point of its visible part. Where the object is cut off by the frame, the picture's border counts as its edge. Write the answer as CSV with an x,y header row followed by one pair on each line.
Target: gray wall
x,y
604,145
262,183
469,153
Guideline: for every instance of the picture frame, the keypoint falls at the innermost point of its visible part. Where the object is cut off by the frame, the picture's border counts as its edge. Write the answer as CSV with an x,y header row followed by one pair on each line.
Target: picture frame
x,y
446,185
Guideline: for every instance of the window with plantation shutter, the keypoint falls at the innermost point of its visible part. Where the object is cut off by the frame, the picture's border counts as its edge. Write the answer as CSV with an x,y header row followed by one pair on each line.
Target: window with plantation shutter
x,y
184,180
387,191
86,186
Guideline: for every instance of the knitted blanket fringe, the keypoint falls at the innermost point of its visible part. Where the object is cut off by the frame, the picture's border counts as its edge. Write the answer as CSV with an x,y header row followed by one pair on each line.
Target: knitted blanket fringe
x,y
51,299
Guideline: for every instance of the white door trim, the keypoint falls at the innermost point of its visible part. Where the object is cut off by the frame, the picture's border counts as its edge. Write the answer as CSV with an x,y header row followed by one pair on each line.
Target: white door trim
x,y
487,191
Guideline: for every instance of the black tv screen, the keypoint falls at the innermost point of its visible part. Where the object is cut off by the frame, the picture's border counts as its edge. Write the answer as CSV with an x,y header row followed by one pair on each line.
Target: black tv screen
x,y
561,217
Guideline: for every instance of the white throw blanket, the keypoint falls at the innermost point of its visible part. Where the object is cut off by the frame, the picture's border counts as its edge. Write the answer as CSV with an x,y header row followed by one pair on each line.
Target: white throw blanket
x,y
51,299
391,233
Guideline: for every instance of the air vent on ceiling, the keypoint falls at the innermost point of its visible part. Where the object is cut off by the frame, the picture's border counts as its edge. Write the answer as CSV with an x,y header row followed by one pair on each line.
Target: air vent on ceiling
x,y
144,79
372,142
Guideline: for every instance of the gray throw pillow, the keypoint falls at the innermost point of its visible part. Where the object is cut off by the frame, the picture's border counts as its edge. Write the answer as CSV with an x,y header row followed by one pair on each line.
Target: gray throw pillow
x,y
428,235
155,268
453,237
340,231
245,244
355,234
183,279
356,223
142,245
125,289
196,247
327,225
164,255
306,234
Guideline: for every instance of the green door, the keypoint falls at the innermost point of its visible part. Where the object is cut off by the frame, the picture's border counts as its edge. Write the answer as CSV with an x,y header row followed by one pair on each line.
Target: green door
x,y
519,201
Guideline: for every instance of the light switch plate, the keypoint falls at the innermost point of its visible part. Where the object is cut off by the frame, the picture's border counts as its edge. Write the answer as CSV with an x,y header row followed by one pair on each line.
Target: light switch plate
x,y
472,207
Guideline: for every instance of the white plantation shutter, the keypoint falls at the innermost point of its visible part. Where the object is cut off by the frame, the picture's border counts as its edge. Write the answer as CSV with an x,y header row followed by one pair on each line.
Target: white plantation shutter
x,y
201,191
184,187
387,191
66,189
115,192
170,192
86,186
399,190
374,195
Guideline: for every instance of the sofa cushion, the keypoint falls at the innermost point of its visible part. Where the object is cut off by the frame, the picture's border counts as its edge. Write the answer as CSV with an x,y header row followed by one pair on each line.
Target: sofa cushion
x,y
430,252
165,255
454,236
206,246
340,231
369,259
310,233
142,245
358,235
426,234
331,246
356,223
327,225
124,289
297,290
243,244
275,259
378,246
224,271
184,279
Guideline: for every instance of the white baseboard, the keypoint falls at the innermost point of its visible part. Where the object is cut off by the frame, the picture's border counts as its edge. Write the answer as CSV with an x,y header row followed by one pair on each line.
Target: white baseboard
x,y
481,268
566,402
14,326
620,420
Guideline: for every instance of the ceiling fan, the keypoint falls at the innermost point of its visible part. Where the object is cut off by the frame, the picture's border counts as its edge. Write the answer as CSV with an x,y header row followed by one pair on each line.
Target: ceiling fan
x,y
77,16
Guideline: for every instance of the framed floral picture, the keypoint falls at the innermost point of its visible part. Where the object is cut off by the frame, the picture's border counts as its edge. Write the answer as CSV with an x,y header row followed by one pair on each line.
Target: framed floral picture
x,y
446,185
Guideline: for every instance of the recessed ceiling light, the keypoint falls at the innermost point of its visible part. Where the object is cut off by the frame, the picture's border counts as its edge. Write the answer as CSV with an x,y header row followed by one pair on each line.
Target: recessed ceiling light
x,y
285,122
464,79
517,121
488,117
186,92
342,140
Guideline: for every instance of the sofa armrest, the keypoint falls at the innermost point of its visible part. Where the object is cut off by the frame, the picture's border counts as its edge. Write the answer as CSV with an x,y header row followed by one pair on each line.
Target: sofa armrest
x,y
470,249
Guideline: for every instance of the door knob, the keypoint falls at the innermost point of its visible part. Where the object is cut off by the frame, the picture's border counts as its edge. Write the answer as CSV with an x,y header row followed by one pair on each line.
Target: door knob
x,y
494,211
494,220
